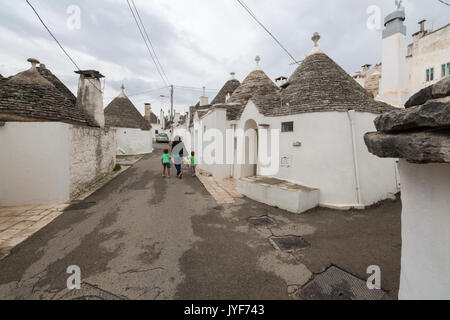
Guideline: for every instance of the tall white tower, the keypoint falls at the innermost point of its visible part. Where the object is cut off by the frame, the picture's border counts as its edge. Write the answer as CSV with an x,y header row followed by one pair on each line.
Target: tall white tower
x,y
393,75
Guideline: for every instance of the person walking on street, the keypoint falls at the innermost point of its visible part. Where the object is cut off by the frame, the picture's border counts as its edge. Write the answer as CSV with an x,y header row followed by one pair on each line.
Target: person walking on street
x,y
165,161
178,153
193,165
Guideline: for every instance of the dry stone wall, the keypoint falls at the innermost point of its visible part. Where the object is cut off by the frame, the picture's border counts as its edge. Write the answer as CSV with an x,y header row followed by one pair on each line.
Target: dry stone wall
x,y
92,156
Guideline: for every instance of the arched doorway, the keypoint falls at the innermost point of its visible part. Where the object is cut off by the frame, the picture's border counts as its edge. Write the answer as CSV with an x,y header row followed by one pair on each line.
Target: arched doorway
x,y
250,168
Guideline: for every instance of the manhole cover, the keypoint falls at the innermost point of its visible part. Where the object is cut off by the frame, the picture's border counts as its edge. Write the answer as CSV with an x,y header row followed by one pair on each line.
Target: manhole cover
x,y
272,181
87,292
80,206
289,242
337,284
260,221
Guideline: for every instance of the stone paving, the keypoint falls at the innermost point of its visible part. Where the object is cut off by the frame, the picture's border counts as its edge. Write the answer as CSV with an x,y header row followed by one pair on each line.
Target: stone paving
x,y
222,190
19,223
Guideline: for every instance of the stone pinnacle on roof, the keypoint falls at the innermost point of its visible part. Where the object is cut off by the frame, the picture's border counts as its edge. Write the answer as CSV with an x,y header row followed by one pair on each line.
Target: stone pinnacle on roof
x,y
315,39
257,60
33,62
122,94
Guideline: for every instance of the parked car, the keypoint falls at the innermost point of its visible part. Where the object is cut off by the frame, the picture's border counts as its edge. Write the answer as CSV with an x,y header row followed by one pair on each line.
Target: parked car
x,y
162,138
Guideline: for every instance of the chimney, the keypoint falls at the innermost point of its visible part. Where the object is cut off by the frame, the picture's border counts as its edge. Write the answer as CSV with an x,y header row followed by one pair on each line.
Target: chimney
x,y
366,67
90,96
204,98
280,81
232,76
148,112
422,25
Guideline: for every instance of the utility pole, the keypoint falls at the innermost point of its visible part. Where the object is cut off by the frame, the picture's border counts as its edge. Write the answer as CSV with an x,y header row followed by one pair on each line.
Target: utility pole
x,y
171,102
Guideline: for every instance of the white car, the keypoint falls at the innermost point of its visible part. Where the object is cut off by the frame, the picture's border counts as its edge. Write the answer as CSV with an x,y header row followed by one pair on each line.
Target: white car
x,y
162,138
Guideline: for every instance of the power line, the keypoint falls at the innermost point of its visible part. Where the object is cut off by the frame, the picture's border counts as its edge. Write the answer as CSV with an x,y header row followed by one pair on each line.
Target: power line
x,y
148,91
241,2
442,1
196,89
146,44
150,42
59,44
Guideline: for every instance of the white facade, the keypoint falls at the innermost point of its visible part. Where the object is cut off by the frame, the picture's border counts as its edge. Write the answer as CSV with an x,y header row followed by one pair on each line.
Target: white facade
x,y
428,51
425,264
131,141
49,162
325,151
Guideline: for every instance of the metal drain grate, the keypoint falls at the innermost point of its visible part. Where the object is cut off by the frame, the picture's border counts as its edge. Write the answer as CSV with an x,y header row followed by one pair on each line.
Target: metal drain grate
x,y
289,242
87,292
80,206
337,284
260,221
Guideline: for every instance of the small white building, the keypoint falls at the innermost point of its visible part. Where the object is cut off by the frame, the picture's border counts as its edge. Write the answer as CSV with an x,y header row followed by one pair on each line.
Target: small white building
x,y
133,131
420,137
53,144
321,114
406,69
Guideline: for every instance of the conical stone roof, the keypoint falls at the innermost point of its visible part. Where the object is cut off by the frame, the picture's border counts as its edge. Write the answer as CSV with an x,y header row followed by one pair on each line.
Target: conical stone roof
x,y
319,85
121,113
30,96
258,87
229,87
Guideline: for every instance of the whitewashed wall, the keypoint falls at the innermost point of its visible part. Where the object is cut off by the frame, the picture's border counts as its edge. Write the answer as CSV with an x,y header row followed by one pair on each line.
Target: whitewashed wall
x,y
134,141
34,163
92,155
325,158
216,119
155,127
430,51
425,266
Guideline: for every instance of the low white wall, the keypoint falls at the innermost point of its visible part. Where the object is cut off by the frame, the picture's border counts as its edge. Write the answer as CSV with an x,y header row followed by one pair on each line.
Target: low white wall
x,y
297,201
133,141
92,155
425,266
34,163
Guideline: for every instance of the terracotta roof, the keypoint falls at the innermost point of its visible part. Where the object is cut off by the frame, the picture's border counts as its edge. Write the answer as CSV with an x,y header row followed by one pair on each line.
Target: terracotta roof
x,y
29,96
319,84
121,113
229,87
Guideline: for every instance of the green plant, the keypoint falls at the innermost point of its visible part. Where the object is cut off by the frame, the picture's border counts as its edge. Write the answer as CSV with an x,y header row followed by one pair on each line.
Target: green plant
x,y
352,209
117,167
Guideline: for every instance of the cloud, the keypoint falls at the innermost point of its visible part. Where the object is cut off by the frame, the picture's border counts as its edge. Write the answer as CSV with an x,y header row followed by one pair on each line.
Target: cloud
x,y
198,42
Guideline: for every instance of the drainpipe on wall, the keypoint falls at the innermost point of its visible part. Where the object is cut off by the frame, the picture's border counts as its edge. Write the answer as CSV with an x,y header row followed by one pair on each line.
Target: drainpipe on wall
x,y
351,117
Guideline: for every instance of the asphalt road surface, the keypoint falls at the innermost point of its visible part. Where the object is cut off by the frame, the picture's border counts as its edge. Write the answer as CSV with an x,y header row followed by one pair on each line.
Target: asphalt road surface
x,y
143,236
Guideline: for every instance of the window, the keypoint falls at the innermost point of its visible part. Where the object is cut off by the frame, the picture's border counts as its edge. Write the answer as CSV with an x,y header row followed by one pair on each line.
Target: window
x,y
430,74
287,126
156,131
445,70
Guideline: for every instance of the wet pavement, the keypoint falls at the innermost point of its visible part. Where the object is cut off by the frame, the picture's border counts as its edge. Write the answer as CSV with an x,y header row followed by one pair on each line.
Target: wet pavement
x,y
143,236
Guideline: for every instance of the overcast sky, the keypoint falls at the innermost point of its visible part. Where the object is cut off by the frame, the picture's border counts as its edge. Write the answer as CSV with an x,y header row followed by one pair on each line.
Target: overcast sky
x,y
198,42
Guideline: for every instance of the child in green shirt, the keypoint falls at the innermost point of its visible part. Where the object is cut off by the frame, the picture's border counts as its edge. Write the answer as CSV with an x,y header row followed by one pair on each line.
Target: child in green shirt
x,y
165,161
193,165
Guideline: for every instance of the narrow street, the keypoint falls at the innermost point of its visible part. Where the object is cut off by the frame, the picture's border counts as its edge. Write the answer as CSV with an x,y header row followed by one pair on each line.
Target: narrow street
x,y
143,236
